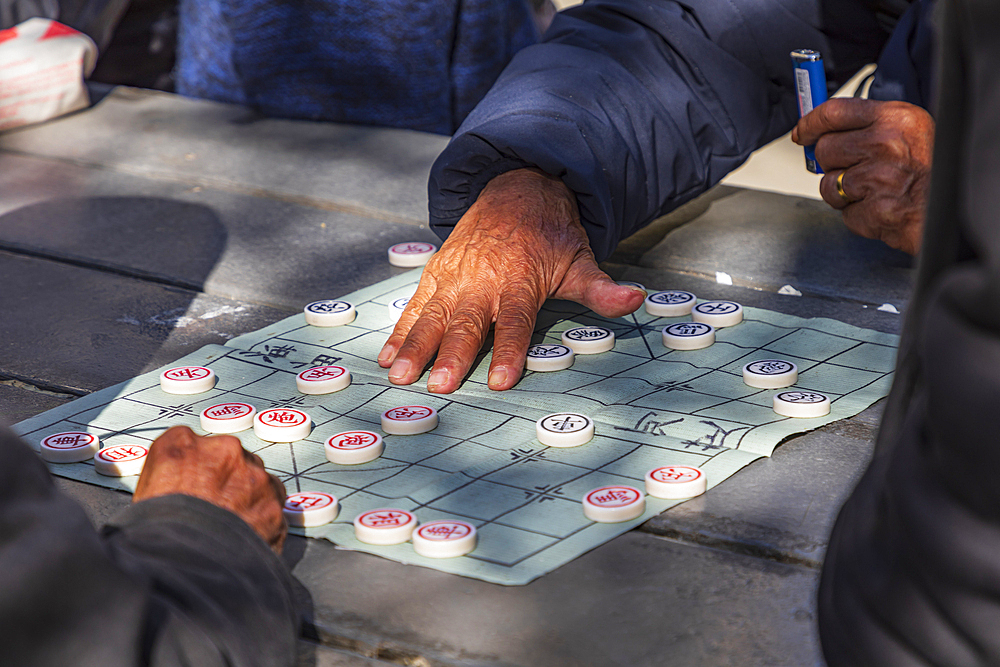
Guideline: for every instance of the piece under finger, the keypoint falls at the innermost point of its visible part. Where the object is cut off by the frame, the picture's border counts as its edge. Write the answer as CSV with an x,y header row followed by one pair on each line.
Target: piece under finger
x,y
387,355
422,341
511,338
460,345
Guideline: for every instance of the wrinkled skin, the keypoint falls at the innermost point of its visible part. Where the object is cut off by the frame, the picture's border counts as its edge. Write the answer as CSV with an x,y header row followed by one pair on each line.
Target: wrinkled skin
x,y
519,244
884,150
218,470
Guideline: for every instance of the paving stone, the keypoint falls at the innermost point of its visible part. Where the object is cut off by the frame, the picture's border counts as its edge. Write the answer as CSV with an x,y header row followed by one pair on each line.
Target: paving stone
x,y
637,600
76,329
251,247
381,171
765,240
18,401
100,504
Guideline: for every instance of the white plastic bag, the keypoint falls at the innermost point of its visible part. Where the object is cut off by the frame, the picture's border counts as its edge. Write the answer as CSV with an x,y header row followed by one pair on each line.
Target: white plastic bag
x,y
43,64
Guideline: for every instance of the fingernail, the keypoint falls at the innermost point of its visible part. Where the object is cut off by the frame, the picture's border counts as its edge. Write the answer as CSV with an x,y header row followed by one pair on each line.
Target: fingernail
x,y
639,290
385,354
438,377
400,369
498,376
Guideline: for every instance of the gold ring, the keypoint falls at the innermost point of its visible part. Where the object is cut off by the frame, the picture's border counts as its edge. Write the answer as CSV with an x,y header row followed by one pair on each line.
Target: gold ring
x,y
840,188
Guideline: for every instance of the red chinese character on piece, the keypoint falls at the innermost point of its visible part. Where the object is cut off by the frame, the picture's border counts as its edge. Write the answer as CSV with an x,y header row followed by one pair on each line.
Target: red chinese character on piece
x,y
613,496
445,531
672,474
354,440
69,440
409,412
123,452
187,373
382,519
282,417
304,501
322,373
412,248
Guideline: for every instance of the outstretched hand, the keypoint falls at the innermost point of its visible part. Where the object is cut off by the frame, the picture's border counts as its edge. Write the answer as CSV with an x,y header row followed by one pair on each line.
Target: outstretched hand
x,y
218,470
519,244
882,153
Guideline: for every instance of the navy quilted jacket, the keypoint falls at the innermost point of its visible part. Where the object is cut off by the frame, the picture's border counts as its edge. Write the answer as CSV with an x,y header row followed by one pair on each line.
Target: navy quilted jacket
x,y
641,106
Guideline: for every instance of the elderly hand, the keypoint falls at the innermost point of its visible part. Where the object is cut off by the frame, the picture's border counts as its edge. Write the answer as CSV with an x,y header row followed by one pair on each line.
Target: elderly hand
x,y
881,152
216,469
519,244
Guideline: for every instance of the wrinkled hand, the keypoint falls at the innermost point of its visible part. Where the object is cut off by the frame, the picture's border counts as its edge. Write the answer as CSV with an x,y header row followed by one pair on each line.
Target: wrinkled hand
x,y
519,244
884,150
216,469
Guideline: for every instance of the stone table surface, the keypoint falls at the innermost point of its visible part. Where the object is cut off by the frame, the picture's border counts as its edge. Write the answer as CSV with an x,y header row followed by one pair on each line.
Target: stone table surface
x,y
150,225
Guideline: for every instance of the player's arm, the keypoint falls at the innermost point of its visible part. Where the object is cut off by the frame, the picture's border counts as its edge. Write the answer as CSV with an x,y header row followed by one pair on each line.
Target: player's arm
x,y
627,111
877,159
174,580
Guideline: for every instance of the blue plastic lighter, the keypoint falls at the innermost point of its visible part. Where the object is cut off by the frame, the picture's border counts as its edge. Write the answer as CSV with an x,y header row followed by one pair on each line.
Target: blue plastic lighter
x,y
810,83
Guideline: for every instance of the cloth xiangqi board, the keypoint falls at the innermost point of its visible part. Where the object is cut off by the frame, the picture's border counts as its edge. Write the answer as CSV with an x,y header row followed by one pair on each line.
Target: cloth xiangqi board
x,y
652,406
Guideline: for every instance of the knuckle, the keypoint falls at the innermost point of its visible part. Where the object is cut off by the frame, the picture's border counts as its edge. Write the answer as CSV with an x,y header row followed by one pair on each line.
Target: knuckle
x,y
260,478
437,310
470,324
517,317
176,442
824,149
884,180
227,447
895,147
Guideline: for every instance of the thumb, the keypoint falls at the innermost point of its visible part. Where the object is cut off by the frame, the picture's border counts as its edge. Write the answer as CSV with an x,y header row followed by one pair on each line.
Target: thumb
x,y
586,284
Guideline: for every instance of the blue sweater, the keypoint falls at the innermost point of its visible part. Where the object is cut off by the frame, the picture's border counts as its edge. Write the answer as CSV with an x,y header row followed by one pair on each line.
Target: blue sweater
x,y
641,106
396,63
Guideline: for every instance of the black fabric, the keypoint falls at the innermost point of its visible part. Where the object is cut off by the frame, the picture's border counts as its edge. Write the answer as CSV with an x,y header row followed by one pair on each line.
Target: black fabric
x,y
173,581
912,572
95,18
640,106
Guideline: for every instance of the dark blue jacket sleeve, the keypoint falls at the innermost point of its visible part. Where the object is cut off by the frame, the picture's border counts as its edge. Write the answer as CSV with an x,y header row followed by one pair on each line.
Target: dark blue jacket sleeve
x,y
640,106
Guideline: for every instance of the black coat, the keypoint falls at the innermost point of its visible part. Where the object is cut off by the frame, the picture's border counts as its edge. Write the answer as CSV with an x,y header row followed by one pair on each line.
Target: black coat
x,y
912,572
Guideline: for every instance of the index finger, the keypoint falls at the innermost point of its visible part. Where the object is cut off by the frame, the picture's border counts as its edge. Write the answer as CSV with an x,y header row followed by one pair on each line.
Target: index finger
x,y
840,114
406,321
